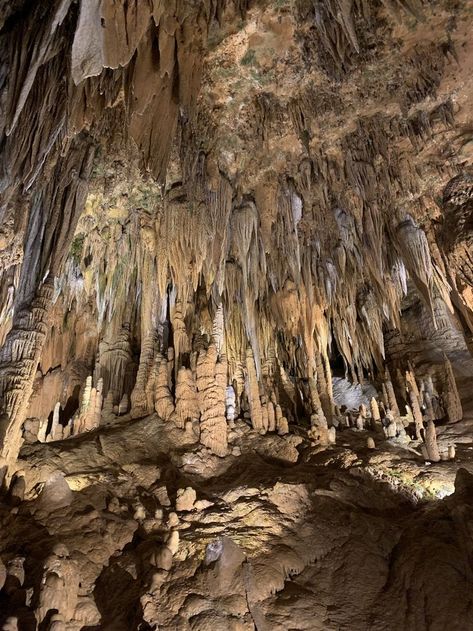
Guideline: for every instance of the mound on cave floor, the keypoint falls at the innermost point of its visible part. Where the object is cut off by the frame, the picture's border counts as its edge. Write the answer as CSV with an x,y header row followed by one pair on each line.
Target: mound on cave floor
x,y
137,526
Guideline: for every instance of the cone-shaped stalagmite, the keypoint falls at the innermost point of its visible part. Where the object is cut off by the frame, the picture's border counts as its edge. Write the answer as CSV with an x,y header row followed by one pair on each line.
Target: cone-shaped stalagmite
x,y
253,393
164,403
187,403
431,442
450,396
391,397
211,388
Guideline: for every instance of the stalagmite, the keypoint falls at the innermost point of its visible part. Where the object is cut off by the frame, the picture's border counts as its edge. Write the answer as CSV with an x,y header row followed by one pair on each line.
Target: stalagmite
x,y
59,585
415,407
411,382
17,488
230,403
332,435
385,398
140,402
187,404
98,401
164,404
271,417
19,359
450,396
316,404
124,405
429,408
370,443
218,329
375,415
282,426
211,388
114,357
43,428
107,410
391,397
360,421
390,428
431,442
85,401
252,390
180,336
56,429
362,416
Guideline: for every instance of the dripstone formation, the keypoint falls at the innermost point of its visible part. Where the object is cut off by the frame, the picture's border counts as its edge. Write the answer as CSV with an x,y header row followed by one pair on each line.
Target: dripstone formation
x,y
236,314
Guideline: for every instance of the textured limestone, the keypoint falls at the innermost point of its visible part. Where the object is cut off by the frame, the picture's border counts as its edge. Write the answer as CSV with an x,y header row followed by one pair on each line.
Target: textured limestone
x,y
213,211
211,388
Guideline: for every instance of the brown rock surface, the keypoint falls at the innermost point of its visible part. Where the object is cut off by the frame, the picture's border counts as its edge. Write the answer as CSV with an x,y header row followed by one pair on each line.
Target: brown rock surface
x,y
235,265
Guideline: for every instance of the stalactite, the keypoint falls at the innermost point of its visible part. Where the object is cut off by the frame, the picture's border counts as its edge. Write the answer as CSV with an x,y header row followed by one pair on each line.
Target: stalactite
x,y
416,253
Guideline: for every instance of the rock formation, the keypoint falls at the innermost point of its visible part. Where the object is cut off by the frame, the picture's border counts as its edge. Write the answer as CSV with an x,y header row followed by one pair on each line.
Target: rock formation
x,y
236,314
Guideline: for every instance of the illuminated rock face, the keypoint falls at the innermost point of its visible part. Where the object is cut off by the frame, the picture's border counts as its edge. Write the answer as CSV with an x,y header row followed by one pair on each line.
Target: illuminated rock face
x,y
246,225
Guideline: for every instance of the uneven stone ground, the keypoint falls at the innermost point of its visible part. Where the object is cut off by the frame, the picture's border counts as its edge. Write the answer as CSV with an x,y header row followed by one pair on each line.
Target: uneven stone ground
x,y
346,538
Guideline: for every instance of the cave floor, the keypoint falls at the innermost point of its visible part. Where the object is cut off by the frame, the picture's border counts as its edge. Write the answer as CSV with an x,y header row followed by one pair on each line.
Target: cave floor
x,y
339,538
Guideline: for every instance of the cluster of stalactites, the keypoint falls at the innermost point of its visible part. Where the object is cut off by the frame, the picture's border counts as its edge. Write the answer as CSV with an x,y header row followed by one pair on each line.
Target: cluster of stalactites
x,y
334,281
